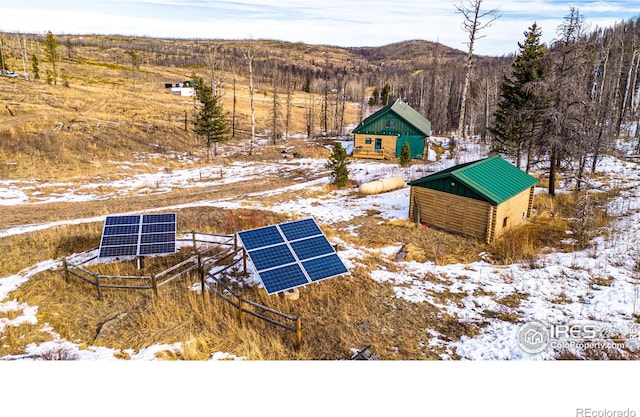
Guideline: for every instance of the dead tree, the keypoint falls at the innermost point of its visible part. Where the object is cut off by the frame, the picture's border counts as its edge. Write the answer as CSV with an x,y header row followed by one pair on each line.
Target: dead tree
x,y
472,24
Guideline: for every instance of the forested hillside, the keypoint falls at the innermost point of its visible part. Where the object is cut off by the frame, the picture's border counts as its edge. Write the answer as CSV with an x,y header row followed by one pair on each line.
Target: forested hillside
x,y
591,81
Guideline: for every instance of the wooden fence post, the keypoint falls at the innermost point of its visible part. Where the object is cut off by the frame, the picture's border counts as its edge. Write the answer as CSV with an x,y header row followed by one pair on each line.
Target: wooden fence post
x,y
66,270
201,272
154,284
240,312
235,241
298,334
193,239
97,277
244,260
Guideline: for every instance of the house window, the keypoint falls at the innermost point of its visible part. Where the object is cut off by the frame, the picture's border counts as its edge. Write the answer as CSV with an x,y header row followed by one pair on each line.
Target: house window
x,y
505,221
367,141
390,124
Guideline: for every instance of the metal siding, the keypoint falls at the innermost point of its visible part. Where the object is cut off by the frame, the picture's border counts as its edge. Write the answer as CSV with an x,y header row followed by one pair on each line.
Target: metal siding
x,y
494,179
443,184
411,122
416,146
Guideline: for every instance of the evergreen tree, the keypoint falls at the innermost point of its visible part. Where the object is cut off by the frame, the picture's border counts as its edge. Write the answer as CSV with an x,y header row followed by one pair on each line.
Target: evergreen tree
x,y
135,64
51,52
520,113
210,119
405,155
375,97
307,84
337,163
3,64
35,67
385,95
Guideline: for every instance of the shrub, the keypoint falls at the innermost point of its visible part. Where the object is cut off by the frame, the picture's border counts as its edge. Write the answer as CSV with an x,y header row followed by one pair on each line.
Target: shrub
x,y
337,163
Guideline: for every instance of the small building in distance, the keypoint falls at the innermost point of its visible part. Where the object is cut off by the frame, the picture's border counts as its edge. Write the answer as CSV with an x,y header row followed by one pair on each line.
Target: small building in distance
x,y
185,88
381,135
483,199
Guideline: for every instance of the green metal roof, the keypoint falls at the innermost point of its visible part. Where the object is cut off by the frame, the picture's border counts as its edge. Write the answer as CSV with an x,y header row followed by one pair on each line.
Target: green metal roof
x,y
403,111
493,178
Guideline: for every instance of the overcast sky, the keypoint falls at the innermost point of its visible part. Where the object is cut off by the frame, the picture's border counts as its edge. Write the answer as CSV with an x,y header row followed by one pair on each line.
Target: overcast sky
x,y
327,22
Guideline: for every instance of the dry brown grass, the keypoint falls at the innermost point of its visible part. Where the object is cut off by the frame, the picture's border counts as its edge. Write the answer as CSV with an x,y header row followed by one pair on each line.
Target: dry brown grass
x,y
24,250
14,339
555,225
419,243
100,120
337,314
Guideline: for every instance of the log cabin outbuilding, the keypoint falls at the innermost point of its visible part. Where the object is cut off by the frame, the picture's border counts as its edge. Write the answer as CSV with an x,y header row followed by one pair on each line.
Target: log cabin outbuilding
x,y
482,199
381,135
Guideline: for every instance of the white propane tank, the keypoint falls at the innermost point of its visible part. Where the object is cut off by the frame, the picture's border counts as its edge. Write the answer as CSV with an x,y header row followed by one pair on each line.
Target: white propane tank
x,y
380,186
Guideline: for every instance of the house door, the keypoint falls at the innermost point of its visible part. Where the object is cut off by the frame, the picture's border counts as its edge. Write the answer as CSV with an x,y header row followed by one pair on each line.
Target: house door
x,y
378,144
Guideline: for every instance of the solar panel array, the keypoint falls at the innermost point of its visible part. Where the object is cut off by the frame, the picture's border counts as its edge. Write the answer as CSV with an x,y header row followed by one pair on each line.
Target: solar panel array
x,y
138,235
289,255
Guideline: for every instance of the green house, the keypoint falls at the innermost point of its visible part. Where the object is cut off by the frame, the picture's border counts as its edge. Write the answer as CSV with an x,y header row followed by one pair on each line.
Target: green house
x,y
483,198
381,135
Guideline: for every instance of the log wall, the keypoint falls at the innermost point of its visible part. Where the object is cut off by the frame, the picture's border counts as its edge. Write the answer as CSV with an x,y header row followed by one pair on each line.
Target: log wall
x,y
451,212
468,216
512,212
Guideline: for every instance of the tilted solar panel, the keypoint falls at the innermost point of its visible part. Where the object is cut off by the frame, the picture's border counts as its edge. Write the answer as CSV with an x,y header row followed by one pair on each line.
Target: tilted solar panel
x,y
258,238
292,254
113,251
283,278
113,220
324,267
157,249
159,218
271,257
138,235
312,247
300,229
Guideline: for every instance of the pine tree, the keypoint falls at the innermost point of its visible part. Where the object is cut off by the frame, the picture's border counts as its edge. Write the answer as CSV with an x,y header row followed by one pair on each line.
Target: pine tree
x,y
519,115
405,155
35,67
210,120
338,163
375,97
51,52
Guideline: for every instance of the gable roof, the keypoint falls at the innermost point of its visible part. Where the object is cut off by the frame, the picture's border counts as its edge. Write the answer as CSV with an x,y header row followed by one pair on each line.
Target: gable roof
x,y
405,112
493,178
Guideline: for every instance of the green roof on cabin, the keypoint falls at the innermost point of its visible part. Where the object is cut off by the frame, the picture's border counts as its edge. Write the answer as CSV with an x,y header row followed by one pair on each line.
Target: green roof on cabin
x,y
414,122
491,179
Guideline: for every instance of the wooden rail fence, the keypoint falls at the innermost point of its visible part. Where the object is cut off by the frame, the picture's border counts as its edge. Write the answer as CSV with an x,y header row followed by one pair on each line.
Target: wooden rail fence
x,y
210,262
201,261
236,300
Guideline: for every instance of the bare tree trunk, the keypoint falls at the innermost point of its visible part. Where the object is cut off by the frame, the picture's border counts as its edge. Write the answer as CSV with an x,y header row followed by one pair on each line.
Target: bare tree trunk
x,y
552,170
248,56
233,109
472,25
287,120
325,101
623,105
274,110
24,56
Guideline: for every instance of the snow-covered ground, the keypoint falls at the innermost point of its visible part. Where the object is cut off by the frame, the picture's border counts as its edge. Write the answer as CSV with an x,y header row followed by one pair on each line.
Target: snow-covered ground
x,y
599,286
558,289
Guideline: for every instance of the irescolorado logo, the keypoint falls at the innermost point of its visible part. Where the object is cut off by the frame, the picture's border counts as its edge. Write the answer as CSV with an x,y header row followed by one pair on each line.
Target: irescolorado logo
x,y
533,337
